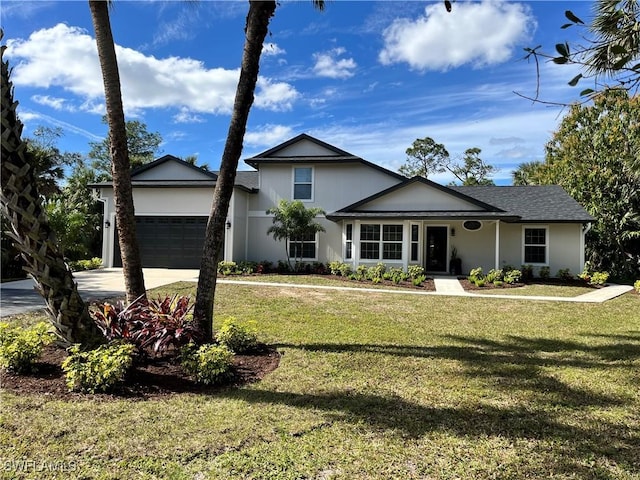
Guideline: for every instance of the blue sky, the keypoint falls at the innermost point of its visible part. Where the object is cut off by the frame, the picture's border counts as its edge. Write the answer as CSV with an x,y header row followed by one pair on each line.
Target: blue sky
x,y
368,77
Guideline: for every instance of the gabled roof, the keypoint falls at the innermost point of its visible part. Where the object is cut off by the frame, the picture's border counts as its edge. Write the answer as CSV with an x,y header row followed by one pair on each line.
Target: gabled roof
x,y
331,154
528,204
197,178
532,203
170,158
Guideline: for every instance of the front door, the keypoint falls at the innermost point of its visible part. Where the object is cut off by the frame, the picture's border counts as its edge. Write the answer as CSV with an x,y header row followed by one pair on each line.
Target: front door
x,y
437,249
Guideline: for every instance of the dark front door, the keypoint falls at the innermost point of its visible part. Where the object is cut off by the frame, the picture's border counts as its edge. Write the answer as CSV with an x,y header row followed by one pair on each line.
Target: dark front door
x,y
436,249
168,242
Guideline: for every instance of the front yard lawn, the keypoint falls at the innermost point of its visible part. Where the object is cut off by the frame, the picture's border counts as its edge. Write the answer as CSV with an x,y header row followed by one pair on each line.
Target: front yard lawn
x,y
370,385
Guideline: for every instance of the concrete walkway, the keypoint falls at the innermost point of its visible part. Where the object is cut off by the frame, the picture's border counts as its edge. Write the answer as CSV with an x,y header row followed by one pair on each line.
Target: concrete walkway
x,y
19,297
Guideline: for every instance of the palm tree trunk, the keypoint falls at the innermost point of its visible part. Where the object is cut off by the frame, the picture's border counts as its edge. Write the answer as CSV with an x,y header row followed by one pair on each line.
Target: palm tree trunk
x,y
32,235
260,13
120,165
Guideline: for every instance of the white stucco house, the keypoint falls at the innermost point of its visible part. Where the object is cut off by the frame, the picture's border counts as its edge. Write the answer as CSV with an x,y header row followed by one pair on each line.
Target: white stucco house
x,y
373,215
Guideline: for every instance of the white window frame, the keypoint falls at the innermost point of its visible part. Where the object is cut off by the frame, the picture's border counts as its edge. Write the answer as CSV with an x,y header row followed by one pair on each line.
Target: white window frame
x,y
294,183
346,241
315,249
546,244
381,243
411,242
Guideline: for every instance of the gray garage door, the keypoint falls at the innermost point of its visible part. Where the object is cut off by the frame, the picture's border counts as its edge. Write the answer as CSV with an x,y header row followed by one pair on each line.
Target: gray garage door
x,y
168,242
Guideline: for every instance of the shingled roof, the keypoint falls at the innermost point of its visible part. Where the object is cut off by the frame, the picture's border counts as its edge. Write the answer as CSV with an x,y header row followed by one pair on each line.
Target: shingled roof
x,y
532,203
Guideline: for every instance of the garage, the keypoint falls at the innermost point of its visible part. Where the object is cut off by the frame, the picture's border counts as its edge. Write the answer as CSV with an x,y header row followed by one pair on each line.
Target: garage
x,y
167,242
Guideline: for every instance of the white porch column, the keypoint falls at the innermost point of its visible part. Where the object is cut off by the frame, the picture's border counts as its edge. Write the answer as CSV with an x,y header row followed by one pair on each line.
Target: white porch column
x,y
355,245
497,262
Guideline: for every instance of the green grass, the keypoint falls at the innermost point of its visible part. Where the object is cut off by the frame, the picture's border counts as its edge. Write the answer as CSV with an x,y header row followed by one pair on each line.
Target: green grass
x,y
374,385
535,290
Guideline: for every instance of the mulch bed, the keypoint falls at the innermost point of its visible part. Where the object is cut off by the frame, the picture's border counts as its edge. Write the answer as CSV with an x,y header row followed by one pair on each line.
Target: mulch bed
x,y
154,378
428,285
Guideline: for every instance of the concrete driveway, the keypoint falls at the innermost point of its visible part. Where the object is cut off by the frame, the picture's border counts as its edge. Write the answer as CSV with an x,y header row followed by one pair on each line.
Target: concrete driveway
x,y
19,297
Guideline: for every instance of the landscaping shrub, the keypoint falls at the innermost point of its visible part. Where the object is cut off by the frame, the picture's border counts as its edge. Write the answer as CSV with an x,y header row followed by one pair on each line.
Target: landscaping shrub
x,y
636,285
416,271
498,283
81,265
419,280
565,274
20,347
209,364
545,273
599,278
494,275
475,274
157,325
238,337
512,276
228,268
526,273
376,273
98,370
480,282
335,268
264,266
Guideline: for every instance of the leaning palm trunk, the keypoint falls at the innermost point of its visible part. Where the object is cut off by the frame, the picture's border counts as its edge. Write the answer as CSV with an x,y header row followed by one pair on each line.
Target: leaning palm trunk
x,y
260,13
120,165
32,235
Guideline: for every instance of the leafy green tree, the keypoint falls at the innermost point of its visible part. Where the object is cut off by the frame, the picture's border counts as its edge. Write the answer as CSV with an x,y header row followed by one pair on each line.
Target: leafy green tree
x,y
473,170
595,156
425,157
292,222
76,215
143,147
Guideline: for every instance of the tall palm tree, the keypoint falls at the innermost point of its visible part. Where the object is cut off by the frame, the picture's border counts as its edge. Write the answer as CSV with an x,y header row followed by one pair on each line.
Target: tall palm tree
x,y
256,29
32,234
120,165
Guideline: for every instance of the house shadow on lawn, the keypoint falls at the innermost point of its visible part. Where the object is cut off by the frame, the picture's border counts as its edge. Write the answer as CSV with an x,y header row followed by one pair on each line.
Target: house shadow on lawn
x,y
517,369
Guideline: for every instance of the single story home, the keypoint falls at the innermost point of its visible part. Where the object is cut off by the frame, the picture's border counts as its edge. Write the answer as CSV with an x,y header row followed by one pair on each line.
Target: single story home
x,y
373,215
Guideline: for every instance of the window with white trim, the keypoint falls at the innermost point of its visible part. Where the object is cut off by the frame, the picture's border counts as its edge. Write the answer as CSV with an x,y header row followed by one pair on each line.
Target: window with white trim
x,y
348,241
381,242
303,247
303,183
536,245
415,243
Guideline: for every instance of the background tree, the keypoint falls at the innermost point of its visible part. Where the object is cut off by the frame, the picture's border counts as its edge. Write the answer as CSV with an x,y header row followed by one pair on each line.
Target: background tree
x,y
473,170
293,222
595,156
425,157
118,152
76,214
142,147
529,173
610,56
22,206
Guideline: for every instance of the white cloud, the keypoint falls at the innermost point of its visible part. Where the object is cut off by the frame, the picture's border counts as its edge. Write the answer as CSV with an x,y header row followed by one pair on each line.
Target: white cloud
x,y
53,102
329,65
272,50
473,33
268,135
147,81
186,116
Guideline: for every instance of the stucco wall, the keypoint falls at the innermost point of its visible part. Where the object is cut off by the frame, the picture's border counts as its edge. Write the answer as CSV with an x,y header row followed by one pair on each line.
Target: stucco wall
x,y
334,186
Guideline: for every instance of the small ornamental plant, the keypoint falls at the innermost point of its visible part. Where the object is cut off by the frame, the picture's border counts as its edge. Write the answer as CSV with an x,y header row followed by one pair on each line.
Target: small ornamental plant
x,y
21,347
636,285
237,336
98,370
208,364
